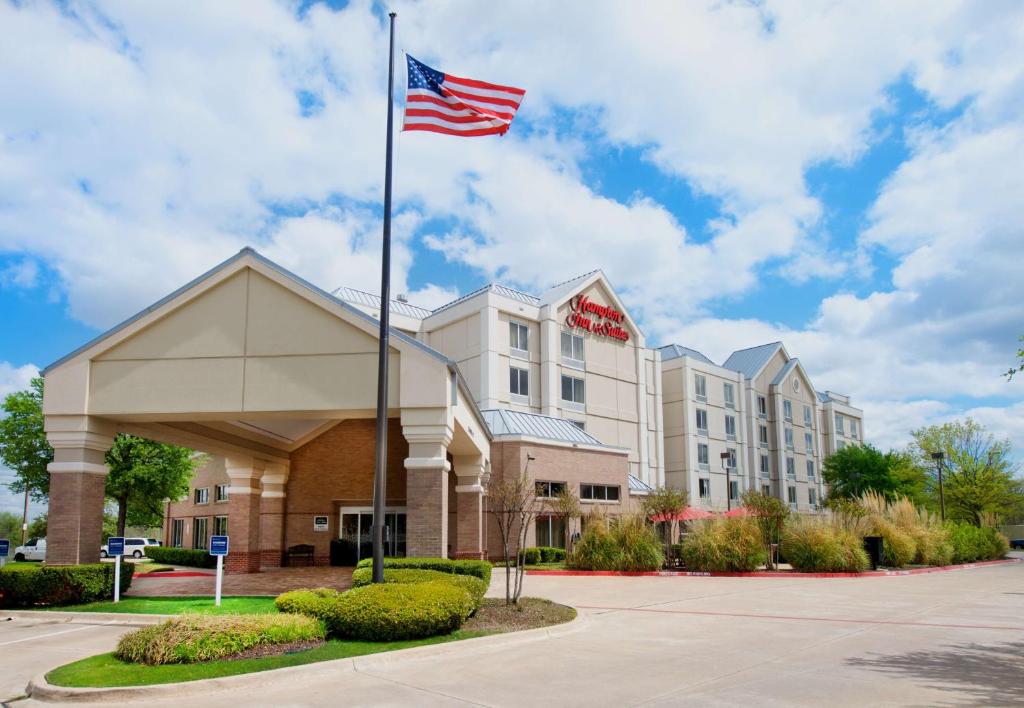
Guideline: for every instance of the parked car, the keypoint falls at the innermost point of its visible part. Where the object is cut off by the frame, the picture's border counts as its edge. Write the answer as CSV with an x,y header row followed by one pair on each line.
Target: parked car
x,y
33,550
134,547
1017,543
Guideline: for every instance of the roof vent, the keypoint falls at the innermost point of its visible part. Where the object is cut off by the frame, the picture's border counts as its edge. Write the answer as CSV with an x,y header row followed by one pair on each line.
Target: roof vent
x,y
402,297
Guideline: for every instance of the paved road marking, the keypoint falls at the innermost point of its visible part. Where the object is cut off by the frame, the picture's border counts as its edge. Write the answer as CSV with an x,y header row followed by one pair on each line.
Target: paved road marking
x,y
53,634
799,618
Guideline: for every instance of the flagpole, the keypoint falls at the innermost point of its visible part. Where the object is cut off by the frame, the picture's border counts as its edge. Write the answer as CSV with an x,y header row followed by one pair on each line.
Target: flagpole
x,y
380,470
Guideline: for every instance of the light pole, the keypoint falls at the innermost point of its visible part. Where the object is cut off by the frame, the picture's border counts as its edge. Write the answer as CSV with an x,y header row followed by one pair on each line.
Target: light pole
x,y
728,480
938,457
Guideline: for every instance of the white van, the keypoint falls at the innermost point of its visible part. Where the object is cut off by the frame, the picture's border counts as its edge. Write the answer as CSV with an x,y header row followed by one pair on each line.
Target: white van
x,y
134,547
33,550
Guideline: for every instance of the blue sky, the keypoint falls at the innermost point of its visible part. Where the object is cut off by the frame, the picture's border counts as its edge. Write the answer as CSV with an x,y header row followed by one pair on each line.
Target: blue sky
x,y
743,173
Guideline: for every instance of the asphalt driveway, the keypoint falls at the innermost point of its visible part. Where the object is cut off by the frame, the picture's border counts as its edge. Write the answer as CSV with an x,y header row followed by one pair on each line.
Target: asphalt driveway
x,y
954,638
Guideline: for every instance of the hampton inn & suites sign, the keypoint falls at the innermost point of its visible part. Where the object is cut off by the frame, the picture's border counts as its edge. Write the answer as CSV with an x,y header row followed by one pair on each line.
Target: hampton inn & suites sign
x,y
601,320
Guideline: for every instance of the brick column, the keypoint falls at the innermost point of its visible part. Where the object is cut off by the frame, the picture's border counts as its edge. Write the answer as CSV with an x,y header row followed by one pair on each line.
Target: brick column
x,y
77,478
426,490
469,500
275,477
244,515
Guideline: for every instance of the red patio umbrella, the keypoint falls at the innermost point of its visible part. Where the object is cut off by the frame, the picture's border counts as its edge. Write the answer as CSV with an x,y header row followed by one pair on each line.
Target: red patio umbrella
x,y
688,514
738,511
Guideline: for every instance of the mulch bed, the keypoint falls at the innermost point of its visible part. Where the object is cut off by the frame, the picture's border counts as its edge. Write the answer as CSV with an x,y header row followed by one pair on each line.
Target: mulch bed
x,y
530,613
263,650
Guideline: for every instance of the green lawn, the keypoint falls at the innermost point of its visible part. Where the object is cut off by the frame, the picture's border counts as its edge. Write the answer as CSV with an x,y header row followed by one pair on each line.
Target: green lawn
x,y
105,670
176,605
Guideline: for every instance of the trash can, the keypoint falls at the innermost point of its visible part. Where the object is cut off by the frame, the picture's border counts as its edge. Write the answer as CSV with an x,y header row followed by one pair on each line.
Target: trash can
x,y
874,548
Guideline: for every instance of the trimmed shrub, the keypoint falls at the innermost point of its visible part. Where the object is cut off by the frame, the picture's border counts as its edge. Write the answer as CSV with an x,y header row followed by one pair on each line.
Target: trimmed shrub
x,y
478,568
312,603
470,583
724,545
997,544
971,543
550,554
193,638
42,585
394,611
625,543
531,556
181,556
898,548
817,546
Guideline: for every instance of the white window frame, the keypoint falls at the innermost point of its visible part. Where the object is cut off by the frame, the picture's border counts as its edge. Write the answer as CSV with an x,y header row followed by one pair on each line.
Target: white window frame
x,y
791,496
704,466
809,443
810,470
522,331
787,410
729,393
201,496
790,468
220,493
733,460
853,428
789,438
812,497
519,374
766,489
734,490
730,419
704,488
765,466
205,522
570,360
177,533
572,403
548,487
762,436
702,412
840,428
808,417
604,489
700,387
220,525
762,407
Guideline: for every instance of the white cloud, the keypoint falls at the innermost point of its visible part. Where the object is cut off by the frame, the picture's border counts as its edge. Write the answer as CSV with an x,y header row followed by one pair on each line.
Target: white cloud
x,y
22,274
15,378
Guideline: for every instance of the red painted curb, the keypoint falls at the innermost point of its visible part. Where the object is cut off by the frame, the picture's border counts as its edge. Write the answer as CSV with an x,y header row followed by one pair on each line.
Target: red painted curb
x,y
174,574
772,574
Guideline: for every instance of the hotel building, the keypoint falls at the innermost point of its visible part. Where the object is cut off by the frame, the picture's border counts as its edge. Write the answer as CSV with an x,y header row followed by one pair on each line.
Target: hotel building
x,y
275,380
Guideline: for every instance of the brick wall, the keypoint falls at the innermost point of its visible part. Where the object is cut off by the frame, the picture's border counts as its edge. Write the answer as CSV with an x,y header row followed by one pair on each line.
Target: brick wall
x,y
207,476
75,535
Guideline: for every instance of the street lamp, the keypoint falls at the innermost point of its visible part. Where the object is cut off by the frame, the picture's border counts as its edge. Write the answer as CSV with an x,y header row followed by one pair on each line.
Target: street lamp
x,y
938,457
728,480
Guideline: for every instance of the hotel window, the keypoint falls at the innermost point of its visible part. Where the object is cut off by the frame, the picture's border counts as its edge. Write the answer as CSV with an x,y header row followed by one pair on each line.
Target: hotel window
x,y
730,427
702,457
550,490
599,492
787,409
791,493
730,396
731,461
810,470
202,495
789,438
766,489
839,425
199,533
579,424
220,493
762,435
220,526
734,490
790,468
807,416
573,390
704,488
853,428
551,531
700,385
519,382
812,497
841,445
572,350
519,339
177,532
762,407
766,470
809,443
702,421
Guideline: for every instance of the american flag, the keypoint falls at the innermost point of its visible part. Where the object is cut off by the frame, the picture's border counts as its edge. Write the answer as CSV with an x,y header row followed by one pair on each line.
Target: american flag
x,y
442,103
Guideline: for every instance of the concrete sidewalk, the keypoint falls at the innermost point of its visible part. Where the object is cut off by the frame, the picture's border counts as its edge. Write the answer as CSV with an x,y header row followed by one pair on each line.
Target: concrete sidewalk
x,y
949,638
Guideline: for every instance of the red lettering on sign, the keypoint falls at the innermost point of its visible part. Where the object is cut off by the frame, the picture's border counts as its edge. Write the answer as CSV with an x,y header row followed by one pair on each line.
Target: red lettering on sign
x,y
581,305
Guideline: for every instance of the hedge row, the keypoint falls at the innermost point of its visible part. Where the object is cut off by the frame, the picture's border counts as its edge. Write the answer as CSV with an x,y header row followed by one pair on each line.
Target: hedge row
x,y
470,583
181,556
192,638
971,543
480,569
385,612
542,554
42,585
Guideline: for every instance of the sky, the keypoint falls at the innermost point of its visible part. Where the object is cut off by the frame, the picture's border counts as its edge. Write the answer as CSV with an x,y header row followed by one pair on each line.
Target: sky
x,y
841,176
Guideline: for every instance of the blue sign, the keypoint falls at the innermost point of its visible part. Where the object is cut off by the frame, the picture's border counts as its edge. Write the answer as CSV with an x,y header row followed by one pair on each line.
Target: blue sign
x,y
218,545
115,546
5,547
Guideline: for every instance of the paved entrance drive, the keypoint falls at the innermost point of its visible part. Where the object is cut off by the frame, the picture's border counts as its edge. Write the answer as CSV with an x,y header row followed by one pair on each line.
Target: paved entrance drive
x,y
953,638
269,582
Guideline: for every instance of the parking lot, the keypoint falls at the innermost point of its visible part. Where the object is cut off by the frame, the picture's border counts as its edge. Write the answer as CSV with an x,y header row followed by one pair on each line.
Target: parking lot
x,y
951,638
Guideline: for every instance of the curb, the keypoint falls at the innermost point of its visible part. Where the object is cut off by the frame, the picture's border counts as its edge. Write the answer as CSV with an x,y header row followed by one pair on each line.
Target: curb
x,y
770,574
40,689
114,618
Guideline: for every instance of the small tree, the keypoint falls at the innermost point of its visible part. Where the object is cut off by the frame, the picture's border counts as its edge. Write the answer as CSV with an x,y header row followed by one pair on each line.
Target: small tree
x,y
566,506
770,514
668,503
23,445
514,503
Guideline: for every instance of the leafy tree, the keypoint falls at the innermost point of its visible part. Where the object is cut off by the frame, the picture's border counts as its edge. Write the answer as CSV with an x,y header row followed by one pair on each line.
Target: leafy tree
x,y
857,469
23,445
10,527
770,514
37,527
979,476
144,473
666,502
1020,362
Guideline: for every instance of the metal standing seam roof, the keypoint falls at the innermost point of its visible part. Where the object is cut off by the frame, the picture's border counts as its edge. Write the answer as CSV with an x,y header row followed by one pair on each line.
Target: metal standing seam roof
x,y
502,290
638,486
502,421
370,300
750,361
556,292
676,351
785,371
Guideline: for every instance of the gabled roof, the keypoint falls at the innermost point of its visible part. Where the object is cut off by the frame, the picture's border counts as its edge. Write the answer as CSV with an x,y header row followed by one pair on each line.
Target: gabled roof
x,y
749,362
638,486
399,307
502,290
557,292
784,371
676,351
505,422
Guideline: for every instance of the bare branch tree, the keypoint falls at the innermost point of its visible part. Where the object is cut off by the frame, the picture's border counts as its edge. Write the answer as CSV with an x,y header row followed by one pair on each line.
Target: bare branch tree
x,y
514,503
566,506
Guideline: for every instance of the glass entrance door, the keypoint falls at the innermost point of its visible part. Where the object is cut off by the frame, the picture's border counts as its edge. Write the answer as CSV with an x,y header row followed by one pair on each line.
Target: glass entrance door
x,y
357,526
